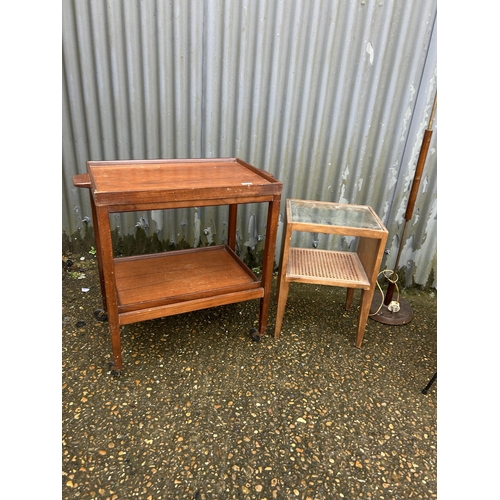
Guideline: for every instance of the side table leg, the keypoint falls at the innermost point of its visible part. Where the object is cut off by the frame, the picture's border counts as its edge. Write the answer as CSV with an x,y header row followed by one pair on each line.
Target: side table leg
x,y
348,299
268,264
366,300
283,287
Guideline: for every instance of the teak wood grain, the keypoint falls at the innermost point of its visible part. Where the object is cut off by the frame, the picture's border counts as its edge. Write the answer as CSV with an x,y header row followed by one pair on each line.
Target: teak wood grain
x,y
140,288
145,281
150,182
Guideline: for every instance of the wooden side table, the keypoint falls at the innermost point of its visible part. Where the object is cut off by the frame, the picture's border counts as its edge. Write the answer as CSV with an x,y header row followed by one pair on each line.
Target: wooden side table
x,y
351,270
146,287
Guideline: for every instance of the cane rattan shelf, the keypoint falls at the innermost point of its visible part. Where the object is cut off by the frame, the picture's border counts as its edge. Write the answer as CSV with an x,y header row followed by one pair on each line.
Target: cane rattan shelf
x,y
338,268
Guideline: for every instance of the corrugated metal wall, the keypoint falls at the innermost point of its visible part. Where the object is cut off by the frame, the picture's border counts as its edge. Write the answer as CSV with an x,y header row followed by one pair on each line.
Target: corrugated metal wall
x,y
331,97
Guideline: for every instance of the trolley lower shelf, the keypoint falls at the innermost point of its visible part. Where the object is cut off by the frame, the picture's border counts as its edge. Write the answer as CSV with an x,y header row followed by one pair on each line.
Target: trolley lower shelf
x,y
157,285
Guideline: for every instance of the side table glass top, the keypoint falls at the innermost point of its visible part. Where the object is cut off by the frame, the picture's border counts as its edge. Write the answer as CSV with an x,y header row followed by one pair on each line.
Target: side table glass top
x,y
333,214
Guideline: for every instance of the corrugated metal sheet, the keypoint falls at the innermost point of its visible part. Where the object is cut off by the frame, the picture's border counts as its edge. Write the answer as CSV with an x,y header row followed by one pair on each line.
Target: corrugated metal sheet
x,y
331,97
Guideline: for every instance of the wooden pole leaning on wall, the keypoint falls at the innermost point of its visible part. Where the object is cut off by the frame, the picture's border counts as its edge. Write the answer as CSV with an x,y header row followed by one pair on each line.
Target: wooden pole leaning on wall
x,y
399,312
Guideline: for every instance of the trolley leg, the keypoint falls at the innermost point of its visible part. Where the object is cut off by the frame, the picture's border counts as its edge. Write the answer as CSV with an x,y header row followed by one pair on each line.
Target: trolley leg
x,y
116,347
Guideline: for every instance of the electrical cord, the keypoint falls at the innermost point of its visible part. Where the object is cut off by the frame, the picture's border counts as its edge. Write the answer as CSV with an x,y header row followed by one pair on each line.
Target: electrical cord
x,y
394,305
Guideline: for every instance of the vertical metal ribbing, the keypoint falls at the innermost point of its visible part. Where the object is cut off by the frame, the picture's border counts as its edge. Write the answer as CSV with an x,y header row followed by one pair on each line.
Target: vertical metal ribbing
x,y
327,96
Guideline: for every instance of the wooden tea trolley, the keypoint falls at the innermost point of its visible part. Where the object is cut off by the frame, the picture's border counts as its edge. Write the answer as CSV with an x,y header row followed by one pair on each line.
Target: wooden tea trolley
x,y
150,286
352,270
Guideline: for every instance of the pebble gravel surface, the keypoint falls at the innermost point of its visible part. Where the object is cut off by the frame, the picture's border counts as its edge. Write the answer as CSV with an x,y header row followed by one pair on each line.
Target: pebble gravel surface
x,y
202,412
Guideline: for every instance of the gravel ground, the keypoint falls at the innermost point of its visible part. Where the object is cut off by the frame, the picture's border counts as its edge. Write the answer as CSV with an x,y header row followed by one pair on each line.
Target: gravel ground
x,y
202,412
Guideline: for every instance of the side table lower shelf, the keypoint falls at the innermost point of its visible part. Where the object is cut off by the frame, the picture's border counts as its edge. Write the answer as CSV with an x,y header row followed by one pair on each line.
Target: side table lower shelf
x,y
322,267
157,285
326,267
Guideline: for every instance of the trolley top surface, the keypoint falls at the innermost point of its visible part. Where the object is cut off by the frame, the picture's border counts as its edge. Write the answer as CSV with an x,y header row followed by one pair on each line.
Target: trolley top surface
x,y
141,181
